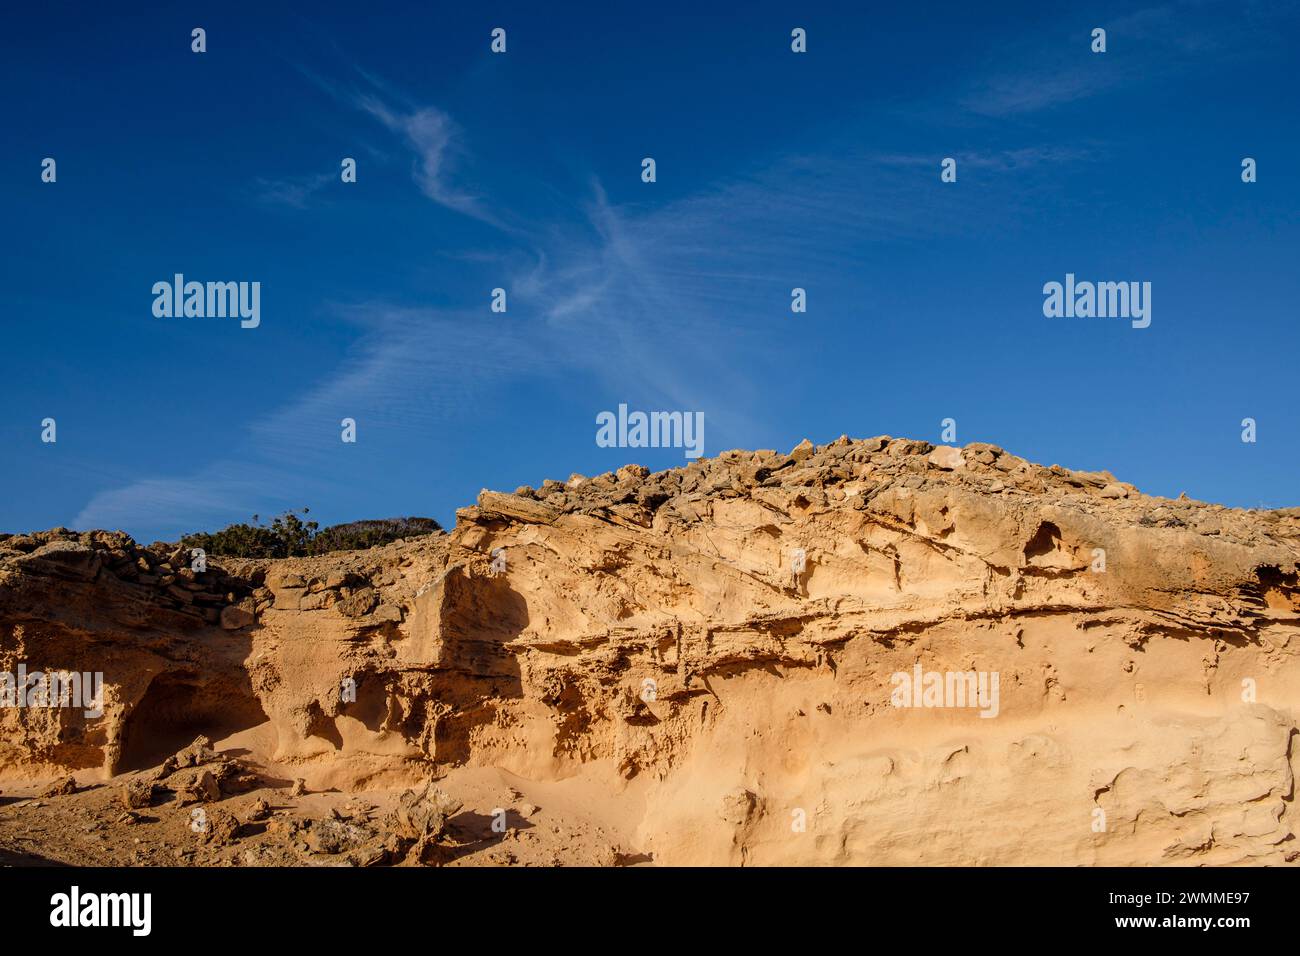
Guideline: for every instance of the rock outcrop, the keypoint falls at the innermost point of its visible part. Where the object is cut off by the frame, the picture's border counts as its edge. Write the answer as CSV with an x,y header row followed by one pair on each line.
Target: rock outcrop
x,y
721,656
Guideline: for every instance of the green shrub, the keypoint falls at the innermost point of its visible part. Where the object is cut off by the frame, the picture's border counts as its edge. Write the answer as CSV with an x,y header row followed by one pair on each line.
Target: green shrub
x,y
359,535
294,535
238,541
288,536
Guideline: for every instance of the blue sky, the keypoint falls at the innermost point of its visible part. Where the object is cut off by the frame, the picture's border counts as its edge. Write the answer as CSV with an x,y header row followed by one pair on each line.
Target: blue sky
x,y
523,171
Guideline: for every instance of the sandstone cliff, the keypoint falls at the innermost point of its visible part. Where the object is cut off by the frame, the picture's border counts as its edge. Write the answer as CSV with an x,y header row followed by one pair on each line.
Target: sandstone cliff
x,y
696,666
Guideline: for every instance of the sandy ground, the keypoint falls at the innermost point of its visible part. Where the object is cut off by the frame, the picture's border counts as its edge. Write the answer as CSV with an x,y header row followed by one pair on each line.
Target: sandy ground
x,y
556,823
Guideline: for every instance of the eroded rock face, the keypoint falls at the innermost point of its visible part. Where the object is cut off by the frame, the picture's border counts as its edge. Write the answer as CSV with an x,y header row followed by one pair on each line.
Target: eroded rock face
x,y
723,647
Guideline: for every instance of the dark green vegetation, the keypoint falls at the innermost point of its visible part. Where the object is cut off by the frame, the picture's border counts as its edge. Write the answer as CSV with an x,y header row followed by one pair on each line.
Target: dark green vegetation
x,y
288,536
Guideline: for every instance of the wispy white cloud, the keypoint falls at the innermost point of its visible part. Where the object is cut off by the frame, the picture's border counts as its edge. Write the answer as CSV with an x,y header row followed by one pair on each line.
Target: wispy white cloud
x,y
295,191
429,133
1052,68
1008,94
401,377
224,489
436,141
